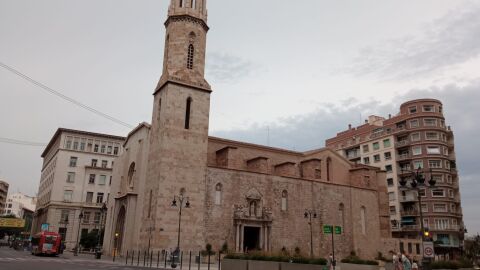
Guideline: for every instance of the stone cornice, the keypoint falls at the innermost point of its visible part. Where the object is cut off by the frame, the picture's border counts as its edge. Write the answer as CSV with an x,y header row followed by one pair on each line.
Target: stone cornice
x,y
177,81
187,18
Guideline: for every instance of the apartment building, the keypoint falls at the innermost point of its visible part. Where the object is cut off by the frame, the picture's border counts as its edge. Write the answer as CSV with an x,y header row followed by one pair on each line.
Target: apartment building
x,y
416,138
75,179
19,203
3,196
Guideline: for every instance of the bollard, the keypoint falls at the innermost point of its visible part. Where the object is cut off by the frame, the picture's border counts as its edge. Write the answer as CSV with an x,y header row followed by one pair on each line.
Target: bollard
x,y
144,257
181,260
133,255
190,261
126,259
166,254
199,259
151,256
219,260
158,258
138,258
208,267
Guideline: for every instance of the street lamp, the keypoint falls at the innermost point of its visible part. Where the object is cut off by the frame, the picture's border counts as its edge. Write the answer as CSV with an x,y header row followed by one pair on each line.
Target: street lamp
x,y
100,231
310,214
181,200
417,180
80,217
64,235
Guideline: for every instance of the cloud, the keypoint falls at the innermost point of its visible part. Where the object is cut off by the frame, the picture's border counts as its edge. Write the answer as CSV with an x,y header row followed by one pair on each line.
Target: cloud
x,y
306,132
446,42
222,67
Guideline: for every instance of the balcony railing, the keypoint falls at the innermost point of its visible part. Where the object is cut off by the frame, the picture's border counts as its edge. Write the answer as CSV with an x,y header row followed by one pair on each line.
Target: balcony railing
x,y
402,143
404,156
409,198
437,227
409,212
410,227
352,155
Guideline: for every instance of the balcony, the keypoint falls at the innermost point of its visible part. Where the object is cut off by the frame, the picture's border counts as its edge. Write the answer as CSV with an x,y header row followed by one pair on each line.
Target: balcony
x,y
353,155
402,157
410,227
402,143
436,227
410,212
409,198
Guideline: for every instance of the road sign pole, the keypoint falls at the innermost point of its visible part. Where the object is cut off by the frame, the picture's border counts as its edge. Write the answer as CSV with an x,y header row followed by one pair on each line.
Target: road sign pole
x,y
333,247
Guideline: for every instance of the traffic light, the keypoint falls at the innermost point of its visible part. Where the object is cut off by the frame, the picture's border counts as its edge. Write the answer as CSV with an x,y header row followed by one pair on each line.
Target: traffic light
x,y
426,235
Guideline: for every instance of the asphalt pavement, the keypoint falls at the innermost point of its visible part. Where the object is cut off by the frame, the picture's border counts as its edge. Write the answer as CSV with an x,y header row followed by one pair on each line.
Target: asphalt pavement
x,y
11,259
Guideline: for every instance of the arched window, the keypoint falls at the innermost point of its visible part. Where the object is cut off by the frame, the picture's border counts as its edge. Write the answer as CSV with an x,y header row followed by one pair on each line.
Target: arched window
x,y
253,209
329,167
150,204
218,194
341,209
194,4
190,53
187,113
363,219
159,110
284,200
181,3
131,172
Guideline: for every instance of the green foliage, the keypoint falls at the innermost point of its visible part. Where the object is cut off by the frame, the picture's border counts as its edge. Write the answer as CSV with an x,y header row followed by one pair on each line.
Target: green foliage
x,y
472,248
208,250
257,256
380,257
354,259
224,248
89,240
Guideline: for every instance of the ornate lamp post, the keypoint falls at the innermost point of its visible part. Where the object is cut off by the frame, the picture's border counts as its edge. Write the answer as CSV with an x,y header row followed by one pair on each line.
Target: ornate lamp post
x,y
182,202
98,250
80,217
417,181
310,214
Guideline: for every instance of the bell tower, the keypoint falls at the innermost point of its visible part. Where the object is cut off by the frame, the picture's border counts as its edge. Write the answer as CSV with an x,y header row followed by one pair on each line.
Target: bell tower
x,y
177,156
185,43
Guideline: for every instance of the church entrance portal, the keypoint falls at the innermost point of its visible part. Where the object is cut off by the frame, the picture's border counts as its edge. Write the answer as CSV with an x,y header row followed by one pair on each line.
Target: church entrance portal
x,y
251,240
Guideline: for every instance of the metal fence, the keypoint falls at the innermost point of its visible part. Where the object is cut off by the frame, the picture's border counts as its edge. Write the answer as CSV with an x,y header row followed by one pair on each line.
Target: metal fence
x,y
164,259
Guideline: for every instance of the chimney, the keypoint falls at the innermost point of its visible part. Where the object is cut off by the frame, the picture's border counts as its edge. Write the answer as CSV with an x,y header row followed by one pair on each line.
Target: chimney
x,y
389,116
349,126
366,121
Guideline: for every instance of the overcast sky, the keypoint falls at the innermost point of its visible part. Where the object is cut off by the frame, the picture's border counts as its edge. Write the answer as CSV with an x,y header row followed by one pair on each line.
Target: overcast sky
x,y
285,73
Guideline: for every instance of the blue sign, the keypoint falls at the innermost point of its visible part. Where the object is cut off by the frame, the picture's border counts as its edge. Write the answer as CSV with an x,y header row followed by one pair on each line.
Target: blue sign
x,y
45,227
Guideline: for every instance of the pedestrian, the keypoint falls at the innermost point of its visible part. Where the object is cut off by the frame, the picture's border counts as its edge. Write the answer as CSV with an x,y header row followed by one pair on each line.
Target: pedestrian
x,y
414,265
331,262
399,262
407,265
394,260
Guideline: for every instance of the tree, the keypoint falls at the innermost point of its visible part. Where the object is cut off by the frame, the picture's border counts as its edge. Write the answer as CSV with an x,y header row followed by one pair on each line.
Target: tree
x,y
89,240
472,248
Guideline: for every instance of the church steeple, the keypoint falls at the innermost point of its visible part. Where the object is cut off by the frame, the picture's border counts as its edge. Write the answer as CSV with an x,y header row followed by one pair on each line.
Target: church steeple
x,y
185,44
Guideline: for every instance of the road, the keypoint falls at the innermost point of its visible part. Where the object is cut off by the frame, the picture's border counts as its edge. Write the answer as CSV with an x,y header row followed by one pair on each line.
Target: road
x,y
11,259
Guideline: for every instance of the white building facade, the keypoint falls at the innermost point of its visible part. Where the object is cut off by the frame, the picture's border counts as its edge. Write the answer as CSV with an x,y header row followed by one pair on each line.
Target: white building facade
x,y
76,178
18,202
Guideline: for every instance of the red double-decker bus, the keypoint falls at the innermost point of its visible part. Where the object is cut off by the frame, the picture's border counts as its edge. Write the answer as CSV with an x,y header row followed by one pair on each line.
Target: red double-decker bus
x,y
46,243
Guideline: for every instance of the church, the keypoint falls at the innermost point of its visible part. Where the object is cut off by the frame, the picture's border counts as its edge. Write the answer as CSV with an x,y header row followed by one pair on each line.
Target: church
x,y
174,186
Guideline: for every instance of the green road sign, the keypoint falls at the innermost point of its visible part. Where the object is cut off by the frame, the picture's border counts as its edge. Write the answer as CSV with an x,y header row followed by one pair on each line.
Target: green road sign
x,y
327,229
338,230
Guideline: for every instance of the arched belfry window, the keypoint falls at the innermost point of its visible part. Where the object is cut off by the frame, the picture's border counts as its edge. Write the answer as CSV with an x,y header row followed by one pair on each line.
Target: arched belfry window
x,y
191,51
188,109
218,194
131,172
253,209
363,219
329,168
284,200
341,209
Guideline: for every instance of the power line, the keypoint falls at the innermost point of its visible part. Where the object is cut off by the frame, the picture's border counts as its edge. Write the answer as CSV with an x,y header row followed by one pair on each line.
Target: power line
x,y
69,99
20,142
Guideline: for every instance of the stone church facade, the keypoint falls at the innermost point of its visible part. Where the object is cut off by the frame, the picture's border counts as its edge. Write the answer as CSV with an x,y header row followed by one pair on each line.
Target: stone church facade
x,y
245,195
